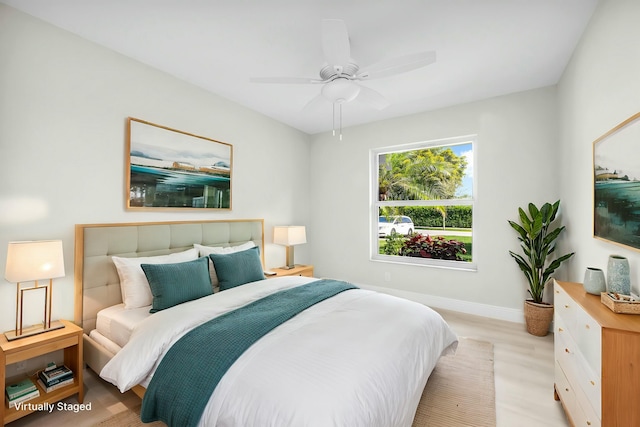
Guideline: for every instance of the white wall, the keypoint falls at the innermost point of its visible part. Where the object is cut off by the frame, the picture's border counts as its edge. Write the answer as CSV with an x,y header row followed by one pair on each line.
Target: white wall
x,y
516,164
599,89
63,106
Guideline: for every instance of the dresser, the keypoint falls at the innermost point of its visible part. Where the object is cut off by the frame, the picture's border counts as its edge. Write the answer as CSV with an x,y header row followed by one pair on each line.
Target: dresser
x,y
597,360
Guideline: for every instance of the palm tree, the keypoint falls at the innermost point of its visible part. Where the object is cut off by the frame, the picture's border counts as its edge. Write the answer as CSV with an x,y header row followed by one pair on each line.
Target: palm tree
x,y
398,186
426,174
414,175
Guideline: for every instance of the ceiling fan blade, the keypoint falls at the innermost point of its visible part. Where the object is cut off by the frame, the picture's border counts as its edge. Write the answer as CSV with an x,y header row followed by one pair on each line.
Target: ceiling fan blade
x,y
400,64
335,42
315,104
285,80
373,98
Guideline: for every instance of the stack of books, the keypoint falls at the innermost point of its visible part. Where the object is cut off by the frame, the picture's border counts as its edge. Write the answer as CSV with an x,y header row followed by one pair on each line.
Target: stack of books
x,y
56,377
21,392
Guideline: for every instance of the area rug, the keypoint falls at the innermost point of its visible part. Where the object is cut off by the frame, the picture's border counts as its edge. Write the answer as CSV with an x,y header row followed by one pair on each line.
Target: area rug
x,y
460,392
461,389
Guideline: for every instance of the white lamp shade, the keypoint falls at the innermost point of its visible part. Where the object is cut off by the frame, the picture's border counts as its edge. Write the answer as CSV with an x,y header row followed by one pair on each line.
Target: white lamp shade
x,y
27,261
289,235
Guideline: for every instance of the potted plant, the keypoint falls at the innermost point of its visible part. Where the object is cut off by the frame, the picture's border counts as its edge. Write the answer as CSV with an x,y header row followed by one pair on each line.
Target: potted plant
x,y
537,241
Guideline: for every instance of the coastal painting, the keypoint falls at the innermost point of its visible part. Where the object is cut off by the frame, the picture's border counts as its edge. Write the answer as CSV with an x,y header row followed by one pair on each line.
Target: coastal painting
x,y
171,169
616,166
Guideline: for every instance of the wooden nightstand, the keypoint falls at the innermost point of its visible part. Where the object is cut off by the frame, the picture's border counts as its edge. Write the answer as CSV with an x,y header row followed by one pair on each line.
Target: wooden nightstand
x,y
298,270
68,339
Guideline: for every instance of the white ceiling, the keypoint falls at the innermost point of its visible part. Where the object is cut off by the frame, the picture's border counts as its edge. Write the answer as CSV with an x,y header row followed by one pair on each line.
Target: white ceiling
x,y
484,48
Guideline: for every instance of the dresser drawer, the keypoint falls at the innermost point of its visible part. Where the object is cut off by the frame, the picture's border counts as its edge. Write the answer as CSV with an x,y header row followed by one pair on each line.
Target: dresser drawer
x,y
589,339
589,359
572,360
591,387
564,390
560,330
565,349
565,308
585,415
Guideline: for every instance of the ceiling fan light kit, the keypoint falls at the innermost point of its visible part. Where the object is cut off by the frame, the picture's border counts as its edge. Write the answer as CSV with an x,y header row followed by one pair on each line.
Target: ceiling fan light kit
x,y
340,91
340,72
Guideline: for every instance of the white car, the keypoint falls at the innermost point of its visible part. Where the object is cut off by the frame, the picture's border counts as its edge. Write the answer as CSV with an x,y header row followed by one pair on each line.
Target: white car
x,y
394,224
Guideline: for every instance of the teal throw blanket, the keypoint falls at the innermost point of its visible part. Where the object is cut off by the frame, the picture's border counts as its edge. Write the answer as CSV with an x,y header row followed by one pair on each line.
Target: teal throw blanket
x,y
190,371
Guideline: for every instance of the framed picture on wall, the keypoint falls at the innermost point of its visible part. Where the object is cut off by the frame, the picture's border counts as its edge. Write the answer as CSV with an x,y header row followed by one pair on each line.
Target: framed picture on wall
x,y
616,184
171,169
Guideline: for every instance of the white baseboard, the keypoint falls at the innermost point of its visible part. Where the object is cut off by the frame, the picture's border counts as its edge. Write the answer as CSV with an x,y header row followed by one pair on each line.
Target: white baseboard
x,y
478,309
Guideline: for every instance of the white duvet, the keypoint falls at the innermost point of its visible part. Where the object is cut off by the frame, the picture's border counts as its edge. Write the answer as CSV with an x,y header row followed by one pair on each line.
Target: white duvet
x,y
360,358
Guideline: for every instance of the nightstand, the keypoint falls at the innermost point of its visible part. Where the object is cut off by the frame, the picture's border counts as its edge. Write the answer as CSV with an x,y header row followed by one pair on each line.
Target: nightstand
x,y
298,270
68,339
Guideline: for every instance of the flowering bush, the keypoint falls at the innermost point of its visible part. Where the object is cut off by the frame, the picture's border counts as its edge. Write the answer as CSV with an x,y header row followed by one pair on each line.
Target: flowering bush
x,y
437,247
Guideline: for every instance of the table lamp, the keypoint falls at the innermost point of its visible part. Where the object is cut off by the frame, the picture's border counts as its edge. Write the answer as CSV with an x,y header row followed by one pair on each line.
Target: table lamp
x,y
29,262
289,236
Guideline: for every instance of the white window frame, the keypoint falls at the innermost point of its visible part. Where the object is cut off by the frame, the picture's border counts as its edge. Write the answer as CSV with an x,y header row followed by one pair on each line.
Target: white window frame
x,y
376,204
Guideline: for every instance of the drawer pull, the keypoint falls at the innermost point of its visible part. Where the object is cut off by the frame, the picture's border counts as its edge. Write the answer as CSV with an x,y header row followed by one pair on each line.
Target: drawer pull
x,y
566,350
587,326
566,306
592,382
588,423
560,330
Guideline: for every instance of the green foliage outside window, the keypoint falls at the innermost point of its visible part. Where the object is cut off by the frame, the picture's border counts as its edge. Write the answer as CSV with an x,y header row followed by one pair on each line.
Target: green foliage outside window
x,y
432,216
427,174
434,181
425,246
392,244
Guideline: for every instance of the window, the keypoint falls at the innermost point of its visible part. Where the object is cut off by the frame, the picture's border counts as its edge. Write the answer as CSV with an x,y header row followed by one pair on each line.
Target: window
x,y
422,203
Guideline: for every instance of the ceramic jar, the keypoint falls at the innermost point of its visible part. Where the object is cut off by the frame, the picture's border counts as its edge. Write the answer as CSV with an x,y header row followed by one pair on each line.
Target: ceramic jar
x,y
594,282
618,279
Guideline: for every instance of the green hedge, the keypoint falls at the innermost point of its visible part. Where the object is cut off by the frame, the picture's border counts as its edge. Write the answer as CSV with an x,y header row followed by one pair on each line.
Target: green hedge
x,y
422,216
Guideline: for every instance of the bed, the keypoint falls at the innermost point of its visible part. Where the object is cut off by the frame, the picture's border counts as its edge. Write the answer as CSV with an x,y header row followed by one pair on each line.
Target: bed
x,y
354,357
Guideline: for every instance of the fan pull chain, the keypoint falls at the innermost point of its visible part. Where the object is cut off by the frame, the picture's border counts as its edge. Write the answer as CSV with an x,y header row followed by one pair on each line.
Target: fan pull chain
x,y
341,121
333,118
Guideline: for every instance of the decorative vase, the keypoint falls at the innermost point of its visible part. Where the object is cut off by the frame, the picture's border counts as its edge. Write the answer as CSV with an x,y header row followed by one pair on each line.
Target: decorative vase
x,y
618,279
594,282
538,317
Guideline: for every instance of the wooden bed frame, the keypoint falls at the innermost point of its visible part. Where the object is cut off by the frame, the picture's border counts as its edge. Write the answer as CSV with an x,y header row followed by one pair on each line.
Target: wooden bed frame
x,y
97,284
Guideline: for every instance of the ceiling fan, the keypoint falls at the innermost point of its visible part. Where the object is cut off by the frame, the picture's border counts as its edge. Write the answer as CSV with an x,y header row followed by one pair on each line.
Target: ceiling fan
x,y
340,73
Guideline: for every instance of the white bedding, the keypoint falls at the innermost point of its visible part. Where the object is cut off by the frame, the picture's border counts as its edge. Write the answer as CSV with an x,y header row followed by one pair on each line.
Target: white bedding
x,y
360,358
116,323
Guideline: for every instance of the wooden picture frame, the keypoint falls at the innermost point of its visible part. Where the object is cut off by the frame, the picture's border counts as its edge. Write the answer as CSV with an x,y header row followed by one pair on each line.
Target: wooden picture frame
x,y
168,169
616,185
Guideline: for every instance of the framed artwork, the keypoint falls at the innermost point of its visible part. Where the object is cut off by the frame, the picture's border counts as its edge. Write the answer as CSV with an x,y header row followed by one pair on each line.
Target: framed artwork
x,y
170,169
616,184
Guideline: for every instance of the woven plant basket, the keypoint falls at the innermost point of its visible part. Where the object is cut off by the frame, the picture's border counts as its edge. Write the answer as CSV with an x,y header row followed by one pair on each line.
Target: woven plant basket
x,y
538,317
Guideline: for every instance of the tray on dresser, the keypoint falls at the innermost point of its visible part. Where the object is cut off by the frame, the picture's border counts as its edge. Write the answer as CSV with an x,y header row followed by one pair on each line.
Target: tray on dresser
x,y
620,303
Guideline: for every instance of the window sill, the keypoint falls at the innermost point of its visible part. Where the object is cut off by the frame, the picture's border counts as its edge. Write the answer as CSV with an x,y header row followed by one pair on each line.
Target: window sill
x,y
423,262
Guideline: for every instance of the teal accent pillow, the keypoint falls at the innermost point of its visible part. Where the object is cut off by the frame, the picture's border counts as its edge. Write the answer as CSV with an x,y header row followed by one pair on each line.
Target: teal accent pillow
x,y
173,284
238,268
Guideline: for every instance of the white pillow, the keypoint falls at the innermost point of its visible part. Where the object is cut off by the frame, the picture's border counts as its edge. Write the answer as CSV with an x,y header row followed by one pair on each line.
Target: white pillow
x,y
133,282
206,250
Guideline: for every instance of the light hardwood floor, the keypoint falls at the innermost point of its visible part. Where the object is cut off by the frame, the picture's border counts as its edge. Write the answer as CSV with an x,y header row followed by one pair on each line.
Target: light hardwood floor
x,y
523,370
523,367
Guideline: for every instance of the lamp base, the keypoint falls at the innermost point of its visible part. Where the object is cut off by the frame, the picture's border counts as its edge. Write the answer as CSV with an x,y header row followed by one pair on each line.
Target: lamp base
x,y
33,330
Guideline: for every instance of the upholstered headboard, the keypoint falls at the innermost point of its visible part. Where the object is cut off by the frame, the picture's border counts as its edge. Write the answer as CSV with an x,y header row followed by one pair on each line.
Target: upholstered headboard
x,y
97,284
